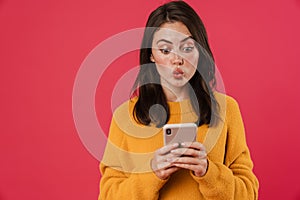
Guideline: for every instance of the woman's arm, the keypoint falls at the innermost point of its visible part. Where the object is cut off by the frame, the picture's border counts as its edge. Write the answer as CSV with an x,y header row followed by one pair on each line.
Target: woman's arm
x,y
119,185
121,177
233,179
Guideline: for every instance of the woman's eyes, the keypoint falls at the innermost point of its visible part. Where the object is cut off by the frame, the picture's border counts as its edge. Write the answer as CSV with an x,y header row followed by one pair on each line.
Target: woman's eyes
x,y
187,49
165,51
184,49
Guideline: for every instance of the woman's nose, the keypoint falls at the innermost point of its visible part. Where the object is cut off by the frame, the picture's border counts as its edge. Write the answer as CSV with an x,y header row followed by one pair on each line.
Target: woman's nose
x,y
177,59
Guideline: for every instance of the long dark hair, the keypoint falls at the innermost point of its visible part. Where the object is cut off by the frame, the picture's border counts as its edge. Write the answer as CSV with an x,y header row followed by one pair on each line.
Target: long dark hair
x,y
147,86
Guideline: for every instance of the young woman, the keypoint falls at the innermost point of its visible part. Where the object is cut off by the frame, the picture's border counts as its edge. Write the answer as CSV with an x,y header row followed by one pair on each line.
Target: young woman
x,y
176,84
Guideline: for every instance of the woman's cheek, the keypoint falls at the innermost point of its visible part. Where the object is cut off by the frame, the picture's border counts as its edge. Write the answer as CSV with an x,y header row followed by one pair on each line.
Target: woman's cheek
x,y
163,70
162,61
193,59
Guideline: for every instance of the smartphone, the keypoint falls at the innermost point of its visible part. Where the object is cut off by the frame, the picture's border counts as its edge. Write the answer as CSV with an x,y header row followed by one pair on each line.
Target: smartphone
x,y
178,133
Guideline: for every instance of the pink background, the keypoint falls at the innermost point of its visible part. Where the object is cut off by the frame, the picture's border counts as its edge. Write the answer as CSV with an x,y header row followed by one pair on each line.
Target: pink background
x,y
43,43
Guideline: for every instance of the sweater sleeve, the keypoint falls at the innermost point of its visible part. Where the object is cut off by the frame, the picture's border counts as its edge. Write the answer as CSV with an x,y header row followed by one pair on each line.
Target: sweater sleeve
x,y
233,179
119,185
118,181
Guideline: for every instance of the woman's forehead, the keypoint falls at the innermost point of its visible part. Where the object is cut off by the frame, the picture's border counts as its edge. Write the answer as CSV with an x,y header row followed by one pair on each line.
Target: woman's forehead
x,y
176,32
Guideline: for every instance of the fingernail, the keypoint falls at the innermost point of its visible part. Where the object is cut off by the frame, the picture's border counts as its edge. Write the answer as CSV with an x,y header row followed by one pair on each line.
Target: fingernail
x,y
175,145
182,144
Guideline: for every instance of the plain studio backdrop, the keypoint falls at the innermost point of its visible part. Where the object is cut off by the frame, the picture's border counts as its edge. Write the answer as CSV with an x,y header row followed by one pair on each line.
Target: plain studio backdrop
x,y
256,45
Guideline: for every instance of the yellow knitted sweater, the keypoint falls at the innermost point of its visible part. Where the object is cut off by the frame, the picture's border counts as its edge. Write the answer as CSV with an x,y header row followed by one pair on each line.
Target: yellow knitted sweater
x,y
126,171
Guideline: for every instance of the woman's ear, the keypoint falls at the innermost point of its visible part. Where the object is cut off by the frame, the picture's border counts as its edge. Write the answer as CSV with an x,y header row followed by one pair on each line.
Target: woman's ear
x,y
151,58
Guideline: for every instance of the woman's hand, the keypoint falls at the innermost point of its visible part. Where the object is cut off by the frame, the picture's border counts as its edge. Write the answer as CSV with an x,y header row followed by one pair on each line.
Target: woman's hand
x,y
161,162
191,156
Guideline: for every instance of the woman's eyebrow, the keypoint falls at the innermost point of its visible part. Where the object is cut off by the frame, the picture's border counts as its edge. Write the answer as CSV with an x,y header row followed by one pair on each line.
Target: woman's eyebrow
x,y
167,41
164,40
185,39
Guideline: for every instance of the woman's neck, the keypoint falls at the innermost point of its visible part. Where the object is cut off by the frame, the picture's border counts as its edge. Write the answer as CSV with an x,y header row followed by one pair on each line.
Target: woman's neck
x,y
176,94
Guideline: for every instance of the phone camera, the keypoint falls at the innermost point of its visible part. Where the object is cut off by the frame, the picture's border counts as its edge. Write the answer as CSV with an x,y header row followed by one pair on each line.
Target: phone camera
x,y
168,131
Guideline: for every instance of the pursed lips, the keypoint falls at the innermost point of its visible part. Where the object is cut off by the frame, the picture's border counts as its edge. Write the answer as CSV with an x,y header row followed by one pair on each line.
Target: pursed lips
x,y
178,73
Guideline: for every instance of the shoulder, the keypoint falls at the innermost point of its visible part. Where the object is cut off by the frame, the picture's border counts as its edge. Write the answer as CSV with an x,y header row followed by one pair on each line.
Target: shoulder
x,y
224,98
123,121
229,106
125,109
120,120
123,115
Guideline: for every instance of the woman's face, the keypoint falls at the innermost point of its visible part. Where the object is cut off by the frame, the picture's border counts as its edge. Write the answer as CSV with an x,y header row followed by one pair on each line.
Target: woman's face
x,y
175,54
